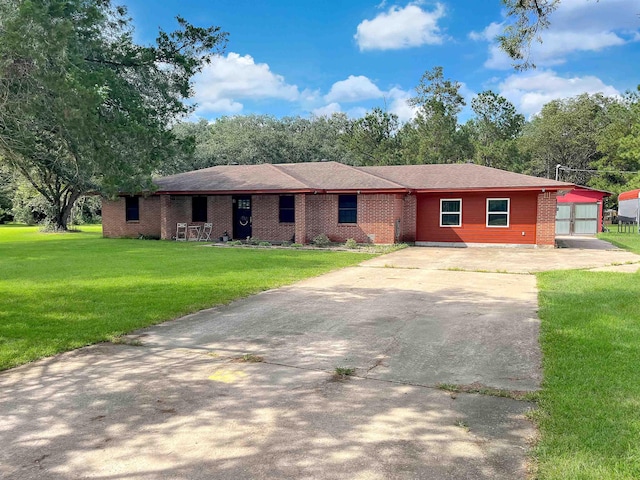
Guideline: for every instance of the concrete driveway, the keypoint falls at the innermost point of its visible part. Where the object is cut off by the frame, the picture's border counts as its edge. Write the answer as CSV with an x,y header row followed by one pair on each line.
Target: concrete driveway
x,y
180,402
575,253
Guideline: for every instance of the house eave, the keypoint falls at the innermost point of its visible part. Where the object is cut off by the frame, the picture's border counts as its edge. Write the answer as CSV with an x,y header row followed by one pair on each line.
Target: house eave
x,y
233,192
493,189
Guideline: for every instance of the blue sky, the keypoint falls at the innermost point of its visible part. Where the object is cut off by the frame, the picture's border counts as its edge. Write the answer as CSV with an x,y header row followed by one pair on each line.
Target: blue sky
x,y
307,58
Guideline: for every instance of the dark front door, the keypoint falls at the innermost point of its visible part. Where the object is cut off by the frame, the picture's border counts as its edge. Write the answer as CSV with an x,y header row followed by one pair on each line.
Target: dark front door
x,y
242,217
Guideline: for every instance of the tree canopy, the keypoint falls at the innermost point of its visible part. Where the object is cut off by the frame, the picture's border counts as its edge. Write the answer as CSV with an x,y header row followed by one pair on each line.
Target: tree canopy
x,y
83,108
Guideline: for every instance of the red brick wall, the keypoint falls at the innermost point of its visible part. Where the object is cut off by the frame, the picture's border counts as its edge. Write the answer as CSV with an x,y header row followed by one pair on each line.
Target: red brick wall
x,y
177,209
114,222
377,214
220,213
315,215
523,214
265,213
301,219
546,219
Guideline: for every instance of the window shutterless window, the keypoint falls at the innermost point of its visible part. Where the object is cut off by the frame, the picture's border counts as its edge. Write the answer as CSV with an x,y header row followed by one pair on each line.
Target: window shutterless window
x,y
498,212
198,209
132,209
287,209
451,212
347,209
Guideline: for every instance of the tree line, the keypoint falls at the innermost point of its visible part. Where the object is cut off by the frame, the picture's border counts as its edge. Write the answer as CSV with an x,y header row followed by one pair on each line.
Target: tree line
x,y
595,138
84,110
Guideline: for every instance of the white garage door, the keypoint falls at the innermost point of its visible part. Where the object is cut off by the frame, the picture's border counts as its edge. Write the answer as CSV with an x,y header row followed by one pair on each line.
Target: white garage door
x,y
577,219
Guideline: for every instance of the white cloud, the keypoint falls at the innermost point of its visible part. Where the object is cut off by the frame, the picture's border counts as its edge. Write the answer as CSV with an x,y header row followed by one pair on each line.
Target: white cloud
x,y
357,112
396,101
398,28
228,79
530,91
490,32
327,110
222,105
399,104
555,48
576,26
353,89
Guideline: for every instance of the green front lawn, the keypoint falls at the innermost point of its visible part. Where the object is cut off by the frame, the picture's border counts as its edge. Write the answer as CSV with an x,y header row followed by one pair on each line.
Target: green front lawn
x,y
628,241
62,291
589,409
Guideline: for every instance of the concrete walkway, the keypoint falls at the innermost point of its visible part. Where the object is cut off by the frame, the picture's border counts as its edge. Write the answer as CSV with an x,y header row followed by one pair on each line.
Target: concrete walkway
x,y
181,402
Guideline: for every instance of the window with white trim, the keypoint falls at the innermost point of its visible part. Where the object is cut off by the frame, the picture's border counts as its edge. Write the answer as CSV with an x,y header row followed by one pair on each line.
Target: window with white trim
x,y
498,212
450,212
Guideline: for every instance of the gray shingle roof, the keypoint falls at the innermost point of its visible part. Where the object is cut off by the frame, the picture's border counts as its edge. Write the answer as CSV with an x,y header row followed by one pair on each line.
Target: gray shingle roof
x,y
462,176
333,176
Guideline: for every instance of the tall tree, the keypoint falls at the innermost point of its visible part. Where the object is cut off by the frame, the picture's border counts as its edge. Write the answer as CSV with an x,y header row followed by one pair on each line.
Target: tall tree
x,y
494,131
372,139
619,143
566,132
84,108
436,125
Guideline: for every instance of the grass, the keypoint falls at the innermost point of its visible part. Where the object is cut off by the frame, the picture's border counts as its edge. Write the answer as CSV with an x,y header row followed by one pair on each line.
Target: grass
x,y
589,406
63,291
628,241
492,392
343,372
250,358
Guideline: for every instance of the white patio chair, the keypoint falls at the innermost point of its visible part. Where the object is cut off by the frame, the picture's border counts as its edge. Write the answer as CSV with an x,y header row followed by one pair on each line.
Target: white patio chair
x,y
205,234
181,232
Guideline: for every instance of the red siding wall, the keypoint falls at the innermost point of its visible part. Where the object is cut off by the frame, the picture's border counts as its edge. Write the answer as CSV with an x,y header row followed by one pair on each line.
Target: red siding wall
x,y
114,222
523,216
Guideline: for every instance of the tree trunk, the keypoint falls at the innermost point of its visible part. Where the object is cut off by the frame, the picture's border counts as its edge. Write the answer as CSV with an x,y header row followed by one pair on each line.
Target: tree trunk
x,y
63,209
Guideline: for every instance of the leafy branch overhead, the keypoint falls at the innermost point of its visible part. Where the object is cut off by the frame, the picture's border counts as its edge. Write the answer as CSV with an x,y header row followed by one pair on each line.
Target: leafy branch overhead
x,y
528,18
83,107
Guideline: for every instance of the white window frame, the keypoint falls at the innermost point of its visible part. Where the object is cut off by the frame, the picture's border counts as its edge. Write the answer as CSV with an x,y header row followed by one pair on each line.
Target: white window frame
x,y
508,213
451,213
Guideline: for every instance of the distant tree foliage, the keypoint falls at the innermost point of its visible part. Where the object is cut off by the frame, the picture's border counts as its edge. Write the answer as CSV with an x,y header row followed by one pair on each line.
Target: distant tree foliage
x,y
260,139
566,132
83,108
